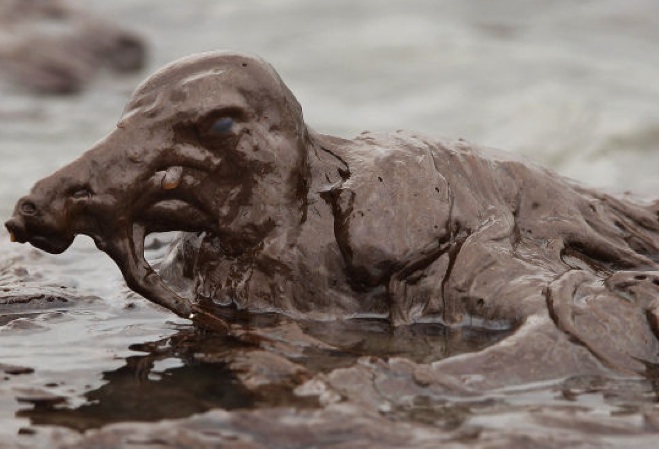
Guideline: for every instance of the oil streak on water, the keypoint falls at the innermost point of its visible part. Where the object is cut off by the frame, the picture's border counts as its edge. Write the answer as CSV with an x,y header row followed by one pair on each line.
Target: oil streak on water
x,y
570,84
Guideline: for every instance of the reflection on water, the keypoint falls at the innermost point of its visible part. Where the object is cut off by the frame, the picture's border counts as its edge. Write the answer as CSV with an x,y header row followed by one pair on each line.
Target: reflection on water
x,y
191,371
423,343
571,84
165,383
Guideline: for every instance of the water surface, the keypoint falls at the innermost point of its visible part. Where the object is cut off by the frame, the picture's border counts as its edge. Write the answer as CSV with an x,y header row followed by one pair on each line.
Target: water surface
x,y
570,84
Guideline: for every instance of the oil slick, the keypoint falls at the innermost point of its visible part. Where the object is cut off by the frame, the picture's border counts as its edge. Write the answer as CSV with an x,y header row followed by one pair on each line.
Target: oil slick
x,y
398,227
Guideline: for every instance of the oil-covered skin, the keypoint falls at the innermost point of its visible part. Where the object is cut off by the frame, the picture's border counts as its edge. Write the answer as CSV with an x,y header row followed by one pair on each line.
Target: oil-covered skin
x,y
280,218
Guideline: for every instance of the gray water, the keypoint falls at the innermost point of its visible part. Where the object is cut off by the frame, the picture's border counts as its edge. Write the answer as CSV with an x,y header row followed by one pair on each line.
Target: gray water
x,y
571,84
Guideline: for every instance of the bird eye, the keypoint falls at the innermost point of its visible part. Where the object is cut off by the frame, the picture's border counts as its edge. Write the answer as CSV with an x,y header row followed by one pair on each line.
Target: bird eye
x,y
28,208
81,193
221,126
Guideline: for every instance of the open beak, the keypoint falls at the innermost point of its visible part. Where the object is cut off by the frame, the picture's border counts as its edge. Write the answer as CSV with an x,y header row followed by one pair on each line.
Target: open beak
x,y
127,250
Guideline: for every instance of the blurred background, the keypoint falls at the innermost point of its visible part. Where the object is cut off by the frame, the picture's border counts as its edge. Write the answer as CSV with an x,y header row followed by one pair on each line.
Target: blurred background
x,y
570,83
